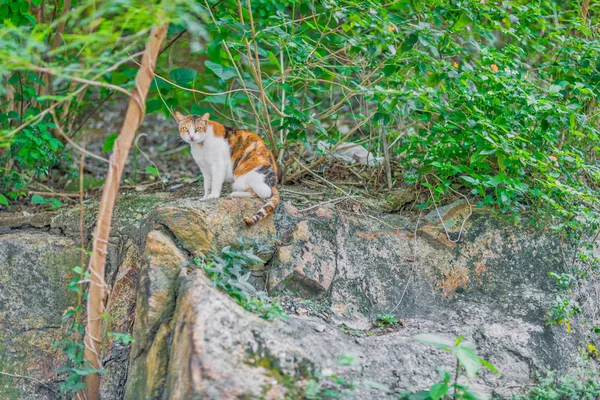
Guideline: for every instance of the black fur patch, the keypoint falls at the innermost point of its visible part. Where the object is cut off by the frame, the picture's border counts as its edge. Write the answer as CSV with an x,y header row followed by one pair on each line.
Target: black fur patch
x,y
267,171
229,132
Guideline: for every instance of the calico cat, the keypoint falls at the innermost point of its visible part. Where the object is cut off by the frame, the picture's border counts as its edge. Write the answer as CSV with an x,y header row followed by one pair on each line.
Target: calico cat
x,y
231,155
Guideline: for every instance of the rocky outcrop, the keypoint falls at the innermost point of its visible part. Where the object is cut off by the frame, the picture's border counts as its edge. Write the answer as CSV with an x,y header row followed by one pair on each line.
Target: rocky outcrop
x,y
335,271
34,270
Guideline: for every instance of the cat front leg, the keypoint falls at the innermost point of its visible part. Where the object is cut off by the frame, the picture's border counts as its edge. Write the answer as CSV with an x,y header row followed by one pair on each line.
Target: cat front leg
x,y
218,177
207,180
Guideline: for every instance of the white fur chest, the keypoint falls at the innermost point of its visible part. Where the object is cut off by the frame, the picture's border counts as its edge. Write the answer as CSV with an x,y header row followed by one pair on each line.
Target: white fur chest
x,y
213,155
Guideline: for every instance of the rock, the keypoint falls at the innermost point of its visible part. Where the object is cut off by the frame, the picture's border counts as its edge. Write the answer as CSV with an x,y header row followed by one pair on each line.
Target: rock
x,y
201,226
308,264
148,371
34,271
163,262
205,363
192,341
121,307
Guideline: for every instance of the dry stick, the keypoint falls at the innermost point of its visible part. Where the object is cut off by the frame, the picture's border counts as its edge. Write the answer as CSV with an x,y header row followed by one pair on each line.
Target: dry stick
x,y
99,106
31,379
45,78
414,266
333,148
386,154
585,6
258,76
321,178
440,216
340,103
67,98
81,208
56,194
244,88
200,91
72,143
133,119
332,201
50,71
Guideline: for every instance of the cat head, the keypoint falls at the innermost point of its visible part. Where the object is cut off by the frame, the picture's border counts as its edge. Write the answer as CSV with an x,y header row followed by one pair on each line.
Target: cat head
x,y
192,128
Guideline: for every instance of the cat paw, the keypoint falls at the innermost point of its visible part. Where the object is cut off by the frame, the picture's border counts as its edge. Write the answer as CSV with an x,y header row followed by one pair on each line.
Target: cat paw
x,y
212,196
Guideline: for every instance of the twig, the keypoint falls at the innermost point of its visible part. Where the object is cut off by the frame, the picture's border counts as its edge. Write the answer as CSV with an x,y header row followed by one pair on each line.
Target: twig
x,y
415,261
332,201
333,148
440,216
585,6
99,106
321,178
42,114
72,143
30,378
283,189
200,91
80,80
97,263
258,75
386,154
175,150
56,194
81,208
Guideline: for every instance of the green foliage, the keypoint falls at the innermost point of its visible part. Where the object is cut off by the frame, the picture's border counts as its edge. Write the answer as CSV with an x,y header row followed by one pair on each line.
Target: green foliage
x,y
54,65
467,363
230,272
72,347
124,338
386,319
53,201
553,386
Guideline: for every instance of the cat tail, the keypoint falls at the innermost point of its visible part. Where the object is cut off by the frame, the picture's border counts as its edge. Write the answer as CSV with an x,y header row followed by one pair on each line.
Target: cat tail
x,y
266,210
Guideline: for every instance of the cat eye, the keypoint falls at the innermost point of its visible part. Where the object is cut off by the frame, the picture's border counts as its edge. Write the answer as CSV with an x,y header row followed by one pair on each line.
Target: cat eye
x,y
184,129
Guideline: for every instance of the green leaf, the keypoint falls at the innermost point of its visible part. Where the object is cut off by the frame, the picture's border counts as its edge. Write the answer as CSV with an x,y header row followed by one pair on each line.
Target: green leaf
x,y
554,88
462,21
153,106
219,99
409,42
468,359
435,340
422,395
496,180
152,170
501,160
489,365
438,391
182,76
109,143
36,2
224,73
37,199
3,200
471,180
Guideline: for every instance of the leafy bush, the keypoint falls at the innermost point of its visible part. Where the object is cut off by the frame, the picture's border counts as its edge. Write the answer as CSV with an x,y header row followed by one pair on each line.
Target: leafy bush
x,y
552,386
467,363
230,272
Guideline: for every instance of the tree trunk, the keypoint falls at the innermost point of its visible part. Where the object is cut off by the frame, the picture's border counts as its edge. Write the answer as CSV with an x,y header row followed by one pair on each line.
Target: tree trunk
x,y
133,119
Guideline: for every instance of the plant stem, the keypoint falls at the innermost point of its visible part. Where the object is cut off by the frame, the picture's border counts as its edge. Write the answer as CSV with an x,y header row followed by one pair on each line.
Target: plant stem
x,y
133,119
456,378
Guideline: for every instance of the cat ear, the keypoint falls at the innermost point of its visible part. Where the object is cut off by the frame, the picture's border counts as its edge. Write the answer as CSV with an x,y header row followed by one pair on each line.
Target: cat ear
x,y
205,117
179,116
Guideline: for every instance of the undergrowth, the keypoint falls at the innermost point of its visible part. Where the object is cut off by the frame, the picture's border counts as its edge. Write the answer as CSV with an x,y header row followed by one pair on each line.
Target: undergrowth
x,y
584,384
230,272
